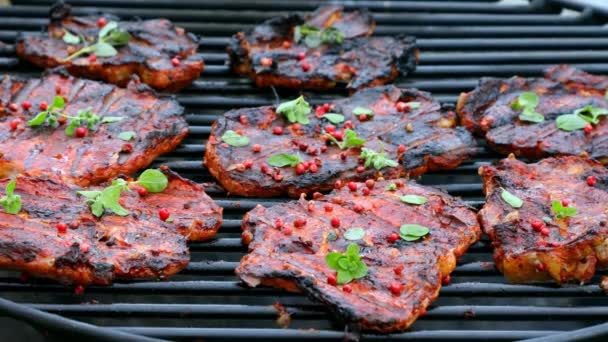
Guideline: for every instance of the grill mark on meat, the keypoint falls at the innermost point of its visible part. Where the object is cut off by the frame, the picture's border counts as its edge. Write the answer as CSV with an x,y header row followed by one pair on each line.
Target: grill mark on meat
x,y
98,157
435,143
296,262
359,61
148,54
575,246
139,245
487,112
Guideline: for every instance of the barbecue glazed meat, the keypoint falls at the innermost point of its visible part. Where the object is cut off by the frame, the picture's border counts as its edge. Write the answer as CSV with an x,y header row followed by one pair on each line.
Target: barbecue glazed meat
x,y
403,277
359,61
101,155
530,243
429,135
97,250
148,54
487,111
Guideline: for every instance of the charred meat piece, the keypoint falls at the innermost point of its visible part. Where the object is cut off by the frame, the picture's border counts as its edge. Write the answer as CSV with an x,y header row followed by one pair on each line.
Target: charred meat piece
x,y
288,244
488,111
271,56
417,139
56,236
159,53
540,240
156,124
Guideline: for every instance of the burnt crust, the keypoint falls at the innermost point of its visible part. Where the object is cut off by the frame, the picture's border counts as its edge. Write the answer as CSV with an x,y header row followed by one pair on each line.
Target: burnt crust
x,y
100,250
100,156
487,112
296,261
148,54
574,247
434,143
360,61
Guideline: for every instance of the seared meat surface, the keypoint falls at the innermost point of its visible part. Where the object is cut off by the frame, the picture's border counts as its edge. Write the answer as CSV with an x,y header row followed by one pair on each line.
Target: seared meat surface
x,y
149,53
487,111
98,250
157,123
288,244
271,57
531,243
418,139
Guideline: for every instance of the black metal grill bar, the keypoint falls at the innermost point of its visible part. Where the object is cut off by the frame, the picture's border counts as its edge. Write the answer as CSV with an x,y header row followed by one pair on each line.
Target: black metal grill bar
x,y
303,5
481,312
209,287
323,335
252,17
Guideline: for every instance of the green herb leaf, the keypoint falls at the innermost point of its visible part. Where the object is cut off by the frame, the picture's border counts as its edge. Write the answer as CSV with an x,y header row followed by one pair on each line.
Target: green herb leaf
x,y
70,38
110,119
511,199
413,232
10,202
296,110
560,211
38,120
570,122
350,139
332,35
108,37
89,194
108,27
363,111
153,180
106,199
284,159
232,138
58,103
313,37
104,50
413,105
530,115
348,264
526,99
378,160
391,187
334,118
527,102
591,114
354,234
127,135
413,199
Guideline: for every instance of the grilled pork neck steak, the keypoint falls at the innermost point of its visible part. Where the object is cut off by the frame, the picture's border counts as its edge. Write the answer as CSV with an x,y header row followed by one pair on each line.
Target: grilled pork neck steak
x,y
159,53
271,57
157,124
419,139
487,111
98,250
288,244
530,242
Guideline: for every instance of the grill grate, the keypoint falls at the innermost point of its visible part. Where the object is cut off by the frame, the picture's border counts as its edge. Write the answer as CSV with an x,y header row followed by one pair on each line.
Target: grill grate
x,y
460,41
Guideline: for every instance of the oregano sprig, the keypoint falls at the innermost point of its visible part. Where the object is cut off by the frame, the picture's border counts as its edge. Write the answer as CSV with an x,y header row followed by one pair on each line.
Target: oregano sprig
x,y
313,36
295,110
527,103
109,37
108,198
10,202
348,264
378,160
350,139
84,117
